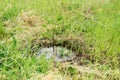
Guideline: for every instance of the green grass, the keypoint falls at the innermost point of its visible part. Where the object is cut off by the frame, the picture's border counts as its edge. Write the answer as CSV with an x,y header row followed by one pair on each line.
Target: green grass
x,y
97,20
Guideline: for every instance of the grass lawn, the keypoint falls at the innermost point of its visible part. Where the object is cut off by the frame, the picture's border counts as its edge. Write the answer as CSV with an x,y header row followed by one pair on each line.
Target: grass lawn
x,y
90,28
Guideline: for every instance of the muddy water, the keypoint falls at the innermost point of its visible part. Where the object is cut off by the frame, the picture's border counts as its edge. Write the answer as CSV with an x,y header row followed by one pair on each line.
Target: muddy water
x,y
59,54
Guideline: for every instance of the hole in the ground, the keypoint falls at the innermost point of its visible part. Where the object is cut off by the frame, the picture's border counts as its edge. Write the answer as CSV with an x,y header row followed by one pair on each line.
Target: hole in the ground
x,y
75,47
59,54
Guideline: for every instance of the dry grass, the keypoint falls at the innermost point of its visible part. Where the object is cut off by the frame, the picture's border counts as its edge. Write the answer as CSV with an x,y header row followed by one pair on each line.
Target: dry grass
x,y
62,73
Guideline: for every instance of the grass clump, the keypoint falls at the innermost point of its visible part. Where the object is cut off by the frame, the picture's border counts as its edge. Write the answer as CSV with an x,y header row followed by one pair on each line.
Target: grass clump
x,y
10,14
2,30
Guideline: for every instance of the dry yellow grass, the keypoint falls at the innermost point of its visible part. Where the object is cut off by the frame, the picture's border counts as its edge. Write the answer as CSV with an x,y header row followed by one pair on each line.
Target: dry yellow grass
x,y
56,74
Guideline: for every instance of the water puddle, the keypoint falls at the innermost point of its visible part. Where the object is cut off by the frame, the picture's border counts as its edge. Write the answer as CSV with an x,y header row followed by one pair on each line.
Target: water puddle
x,y
59,54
